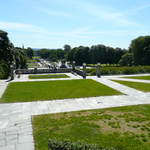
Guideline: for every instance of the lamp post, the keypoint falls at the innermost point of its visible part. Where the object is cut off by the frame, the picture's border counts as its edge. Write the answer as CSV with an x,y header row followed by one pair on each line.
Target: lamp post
x,y
84,70
98,72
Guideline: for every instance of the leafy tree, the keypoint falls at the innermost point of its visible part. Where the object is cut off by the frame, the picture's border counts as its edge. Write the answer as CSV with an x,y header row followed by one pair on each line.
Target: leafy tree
x,y
126,59
4,69
98,54
118,54
9,54
67,48
71,55
140,49
81,55
6,48
44,53
60,54
20,58
53,56
29,52
95,54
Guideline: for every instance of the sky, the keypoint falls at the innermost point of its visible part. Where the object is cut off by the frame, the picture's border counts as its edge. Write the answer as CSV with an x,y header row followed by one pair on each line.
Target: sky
x,y
54,23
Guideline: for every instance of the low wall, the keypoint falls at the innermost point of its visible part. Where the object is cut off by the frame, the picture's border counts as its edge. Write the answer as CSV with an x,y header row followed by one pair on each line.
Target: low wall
x,y
40,71
79,72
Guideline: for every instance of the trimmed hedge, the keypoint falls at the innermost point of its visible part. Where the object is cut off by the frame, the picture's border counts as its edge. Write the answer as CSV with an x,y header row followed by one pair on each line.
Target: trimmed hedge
x,y
68,145
4,70
120,70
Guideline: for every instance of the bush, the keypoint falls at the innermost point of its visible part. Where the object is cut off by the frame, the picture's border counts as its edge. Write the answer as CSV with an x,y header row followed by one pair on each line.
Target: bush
x,y
4,70
68,145
120,70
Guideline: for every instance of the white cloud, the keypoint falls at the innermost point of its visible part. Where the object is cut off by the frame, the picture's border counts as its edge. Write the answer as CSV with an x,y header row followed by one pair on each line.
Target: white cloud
x,y
137,9
108,14
29,28
21,27
56,13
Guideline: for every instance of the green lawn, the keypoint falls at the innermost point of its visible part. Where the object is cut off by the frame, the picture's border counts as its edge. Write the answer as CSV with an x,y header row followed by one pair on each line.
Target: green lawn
x,y
145,87
33,65
138,77
123,128
49,76
50,90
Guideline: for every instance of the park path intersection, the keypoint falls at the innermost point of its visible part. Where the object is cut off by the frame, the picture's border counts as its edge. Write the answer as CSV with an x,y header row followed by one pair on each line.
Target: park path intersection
x,y
15,118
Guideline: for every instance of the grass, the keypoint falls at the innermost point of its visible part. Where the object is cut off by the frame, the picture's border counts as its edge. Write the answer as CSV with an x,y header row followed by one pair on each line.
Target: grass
x,y
33,65
138,77
124,128
145,87
49,76
50,90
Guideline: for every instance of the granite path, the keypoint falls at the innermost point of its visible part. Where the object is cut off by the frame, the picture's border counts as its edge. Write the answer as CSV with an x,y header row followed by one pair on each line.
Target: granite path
x,y
16,118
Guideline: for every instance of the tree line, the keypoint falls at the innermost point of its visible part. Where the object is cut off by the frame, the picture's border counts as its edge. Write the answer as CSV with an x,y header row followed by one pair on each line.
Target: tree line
x,y
82,54
9,54
138,53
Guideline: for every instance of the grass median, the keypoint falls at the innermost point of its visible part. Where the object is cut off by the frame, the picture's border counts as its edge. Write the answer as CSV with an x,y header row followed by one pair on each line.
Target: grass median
x,y
51,90
48,76
138,77
145,87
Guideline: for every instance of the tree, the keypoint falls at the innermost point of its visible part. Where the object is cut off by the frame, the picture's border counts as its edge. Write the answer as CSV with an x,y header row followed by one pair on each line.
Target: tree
x,y
20,58
71,55
81,55
126,60
6,48
146,53
44,53
29,52
67,48
53,56
60,54
9,54
140,49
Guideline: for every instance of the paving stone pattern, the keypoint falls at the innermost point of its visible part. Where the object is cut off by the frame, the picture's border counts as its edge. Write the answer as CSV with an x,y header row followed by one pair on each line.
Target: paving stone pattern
x,y
15,118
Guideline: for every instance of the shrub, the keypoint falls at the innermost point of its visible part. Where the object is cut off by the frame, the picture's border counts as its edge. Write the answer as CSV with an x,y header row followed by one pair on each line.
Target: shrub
x,y
4,70
68,145
120,70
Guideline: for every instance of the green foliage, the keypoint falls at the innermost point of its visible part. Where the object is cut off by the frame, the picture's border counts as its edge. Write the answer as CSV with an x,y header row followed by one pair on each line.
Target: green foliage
x,y
68,145
29,52
20,58
126,60
140,47
9,54
51,90
4,70
120,70
6,48
52,54
95,54
67,48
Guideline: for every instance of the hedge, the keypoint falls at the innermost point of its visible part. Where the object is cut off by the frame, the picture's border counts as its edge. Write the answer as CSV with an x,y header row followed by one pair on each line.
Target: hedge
x,y
120,70
4,70
68,145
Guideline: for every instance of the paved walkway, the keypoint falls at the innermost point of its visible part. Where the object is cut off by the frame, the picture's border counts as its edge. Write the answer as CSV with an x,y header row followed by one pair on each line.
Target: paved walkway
x,y
15,118
25,78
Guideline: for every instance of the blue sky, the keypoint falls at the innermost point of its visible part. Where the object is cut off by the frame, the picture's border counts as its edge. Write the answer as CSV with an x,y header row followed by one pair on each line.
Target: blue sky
x,y
53,23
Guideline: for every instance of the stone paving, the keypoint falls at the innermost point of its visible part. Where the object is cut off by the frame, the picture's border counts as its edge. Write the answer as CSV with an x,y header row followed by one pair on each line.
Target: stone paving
x,y
24,78
15,118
